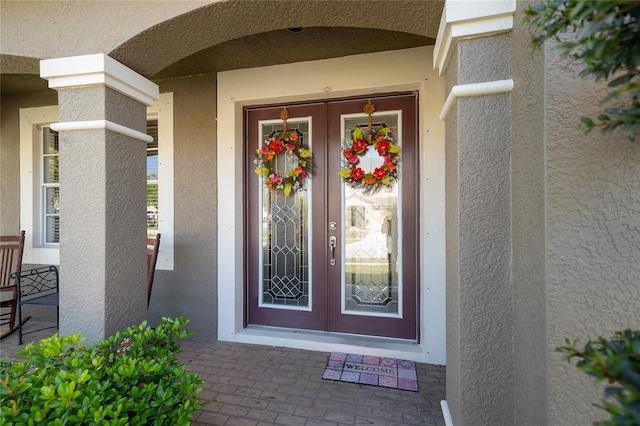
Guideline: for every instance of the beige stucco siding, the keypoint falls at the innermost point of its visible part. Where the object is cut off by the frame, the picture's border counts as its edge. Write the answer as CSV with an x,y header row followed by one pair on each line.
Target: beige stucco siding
x,y
191,288
592,209
10,155
454,381
528,228
70,28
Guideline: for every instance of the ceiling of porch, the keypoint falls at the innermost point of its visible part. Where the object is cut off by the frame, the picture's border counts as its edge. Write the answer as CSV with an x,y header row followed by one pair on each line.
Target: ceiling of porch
x,y
232,34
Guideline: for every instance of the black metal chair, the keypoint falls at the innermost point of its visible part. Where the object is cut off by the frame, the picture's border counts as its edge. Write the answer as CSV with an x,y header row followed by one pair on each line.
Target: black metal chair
x,y
37,287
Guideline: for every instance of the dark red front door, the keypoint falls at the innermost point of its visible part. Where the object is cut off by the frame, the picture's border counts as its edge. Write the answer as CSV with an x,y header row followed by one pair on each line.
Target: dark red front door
x,y
332,256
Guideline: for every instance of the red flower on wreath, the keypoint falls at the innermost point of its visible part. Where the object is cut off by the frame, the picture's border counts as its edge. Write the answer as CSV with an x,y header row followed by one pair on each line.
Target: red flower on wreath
x,y
359,146
275,146
357,173
382,146
380,172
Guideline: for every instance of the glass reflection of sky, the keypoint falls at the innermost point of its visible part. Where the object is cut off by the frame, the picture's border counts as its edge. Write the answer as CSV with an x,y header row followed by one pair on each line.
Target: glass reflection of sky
x,y
370,161
152,164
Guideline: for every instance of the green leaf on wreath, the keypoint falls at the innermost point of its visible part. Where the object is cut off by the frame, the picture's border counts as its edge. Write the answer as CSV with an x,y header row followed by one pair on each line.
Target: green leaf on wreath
x,y
384,131
344,173
304,153
287,189
259,152
357,133
386,181
394,149
262,171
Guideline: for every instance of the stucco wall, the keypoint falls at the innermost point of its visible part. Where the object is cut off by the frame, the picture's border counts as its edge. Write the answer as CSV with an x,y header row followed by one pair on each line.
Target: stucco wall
x,y
452,229
10,155
116,24
191,288
479,212
592,234
486,299
102,199
527,184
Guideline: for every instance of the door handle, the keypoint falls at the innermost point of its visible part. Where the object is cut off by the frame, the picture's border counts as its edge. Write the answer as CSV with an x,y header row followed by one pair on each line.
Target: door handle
x,y
332,248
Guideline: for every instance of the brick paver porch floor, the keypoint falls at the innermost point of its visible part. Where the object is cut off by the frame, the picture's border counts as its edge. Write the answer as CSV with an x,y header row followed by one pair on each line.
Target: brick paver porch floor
x,y
265,385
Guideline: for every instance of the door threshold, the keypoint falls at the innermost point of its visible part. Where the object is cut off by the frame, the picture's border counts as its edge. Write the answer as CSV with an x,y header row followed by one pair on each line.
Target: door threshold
x,y
331,342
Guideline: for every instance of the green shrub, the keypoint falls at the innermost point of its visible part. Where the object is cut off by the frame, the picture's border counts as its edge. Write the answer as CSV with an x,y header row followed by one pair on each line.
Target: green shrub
x,y
616,360
129,378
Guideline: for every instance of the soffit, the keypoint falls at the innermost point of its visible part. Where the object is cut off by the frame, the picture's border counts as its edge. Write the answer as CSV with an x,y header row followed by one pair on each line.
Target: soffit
x,y
283,47
170,42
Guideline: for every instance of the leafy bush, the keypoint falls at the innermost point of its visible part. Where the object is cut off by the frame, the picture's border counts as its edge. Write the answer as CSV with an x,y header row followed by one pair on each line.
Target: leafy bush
x,y
607,41
129,378
616,360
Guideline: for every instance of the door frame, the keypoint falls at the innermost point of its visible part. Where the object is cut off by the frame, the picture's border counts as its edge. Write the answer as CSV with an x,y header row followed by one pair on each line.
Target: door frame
x,y
339,77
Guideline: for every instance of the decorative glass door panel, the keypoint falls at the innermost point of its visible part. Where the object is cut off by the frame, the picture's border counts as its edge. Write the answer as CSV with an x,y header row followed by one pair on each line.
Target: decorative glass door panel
x,y
328,255
285,230
371,272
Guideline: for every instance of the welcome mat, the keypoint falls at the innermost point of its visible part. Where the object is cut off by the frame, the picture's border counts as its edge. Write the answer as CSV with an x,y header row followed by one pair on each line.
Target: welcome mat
x,y
372,370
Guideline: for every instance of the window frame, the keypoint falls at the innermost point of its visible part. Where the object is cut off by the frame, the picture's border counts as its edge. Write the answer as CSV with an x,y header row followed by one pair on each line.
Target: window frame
x,y
32,120
45,186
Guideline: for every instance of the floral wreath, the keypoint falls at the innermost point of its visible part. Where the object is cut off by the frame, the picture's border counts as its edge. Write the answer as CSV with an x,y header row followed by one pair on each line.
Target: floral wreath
x,y
287,144
385,175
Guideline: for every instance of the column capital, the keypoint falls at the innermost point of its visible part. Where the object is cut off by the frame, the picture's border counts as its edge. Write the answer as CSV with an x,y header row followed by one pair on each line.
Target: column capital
x,y
463,19
98,69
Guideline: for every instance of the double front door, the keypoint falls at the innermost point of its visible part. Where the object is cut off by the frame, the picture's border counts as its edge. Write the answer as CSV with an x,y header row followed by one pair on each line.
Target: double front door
x,y
333,254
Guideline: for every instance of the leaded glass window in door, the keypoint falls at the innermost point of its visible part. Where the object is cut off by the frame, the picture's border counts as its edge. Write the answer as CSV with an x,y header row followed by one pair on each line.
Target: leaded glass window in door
x,y
286,220
371,278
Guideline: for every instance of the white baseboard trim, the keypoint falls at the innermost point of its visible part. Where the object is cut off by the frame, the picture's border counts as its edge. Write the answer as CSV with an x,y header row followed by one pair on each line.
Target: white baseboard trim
x,y
446,414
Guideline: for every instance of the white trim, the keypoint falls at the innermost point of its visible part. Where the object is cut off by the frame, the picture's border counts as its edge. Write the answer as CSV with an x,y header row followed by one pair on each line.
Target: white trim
x,y
34,252
448,421
98,69
101,125
162,109
475,89
326,79
464,19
